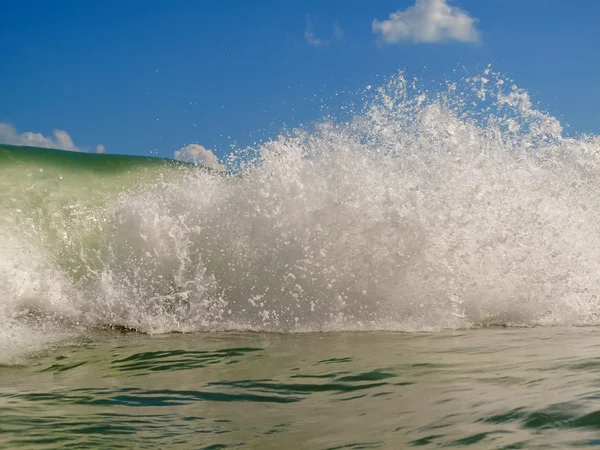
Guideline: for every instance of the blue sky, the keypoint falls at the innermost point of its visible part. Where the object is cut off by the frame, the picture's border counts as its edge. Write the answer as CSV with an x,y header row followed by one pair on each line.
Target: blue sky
x,y
149,77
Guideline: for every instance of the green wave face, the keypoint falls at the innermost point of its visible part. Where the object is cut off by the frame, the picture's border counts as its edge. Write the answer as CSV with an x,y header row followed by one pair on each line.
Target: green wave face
x,y
30,173
61,200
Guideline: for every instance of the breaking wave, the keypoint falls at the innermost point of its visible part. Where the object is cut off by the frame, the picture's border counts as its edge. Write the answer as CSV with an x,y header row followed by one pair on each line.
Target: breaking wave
x,y
425,211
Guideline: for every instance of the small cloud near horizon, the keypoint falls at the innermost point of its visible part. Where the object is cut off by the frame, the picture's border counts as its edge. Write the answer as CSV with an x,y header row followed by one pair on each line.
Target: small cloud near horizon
x,y
428,21
60,139
197,154
311,39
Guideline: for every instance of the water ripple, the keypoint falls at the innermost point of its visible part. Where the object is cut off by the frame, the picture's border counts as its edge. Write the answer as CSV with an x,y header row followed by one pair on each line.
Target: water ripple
x,y
174,360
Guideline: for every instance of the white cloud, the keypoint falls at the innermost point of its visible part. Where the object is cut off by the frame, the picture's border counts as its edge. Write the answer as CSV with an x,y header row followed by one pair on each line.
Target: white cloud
x,y
338,33
309,35
100,148
199,155
60,139
312,39
428,21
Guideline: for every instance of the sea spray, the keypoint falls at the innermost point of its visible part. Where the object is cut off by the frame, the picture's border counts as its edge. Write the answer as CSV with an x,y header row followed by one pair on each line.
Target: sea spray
x,y
425,211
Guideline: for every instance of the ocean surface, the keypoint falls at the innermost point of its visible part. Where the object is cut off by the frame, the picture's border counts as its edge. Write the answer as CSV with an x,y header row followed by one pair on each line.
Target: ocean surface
x,y
482,389
421,272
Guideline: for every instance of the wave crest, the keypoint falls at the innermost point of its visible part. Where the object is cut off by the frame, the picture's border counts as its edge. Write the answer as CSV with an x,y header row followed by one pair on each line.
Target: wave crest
x,y
461,208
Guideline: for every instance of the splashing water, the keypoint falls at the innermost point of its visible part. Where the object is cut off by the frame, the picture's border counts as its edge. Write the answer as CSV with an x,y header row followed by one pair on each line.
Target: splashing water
x,y
425,211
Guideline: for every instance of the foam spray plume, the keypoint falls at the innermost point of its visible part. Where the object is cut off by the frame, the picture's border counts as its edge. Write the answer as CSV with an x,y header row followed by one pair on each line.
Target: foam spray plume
x,y
425,211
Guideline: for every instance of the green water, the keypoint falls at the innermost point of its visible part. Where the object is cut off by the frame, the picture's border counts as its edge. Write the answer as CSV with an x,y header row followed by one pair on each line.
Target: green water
x,y
50,187
480,389
58,199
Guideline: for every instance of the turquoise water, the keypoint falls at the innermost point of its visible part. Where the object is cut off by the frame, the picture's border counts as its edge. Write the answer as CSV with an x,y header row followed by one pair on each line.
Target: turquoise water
x,y
424,274
481,389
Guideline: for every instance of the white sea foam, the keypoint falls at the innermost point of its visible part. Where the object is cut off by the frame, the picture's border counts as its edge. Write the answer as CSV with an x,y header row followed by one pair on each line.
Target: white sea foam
x,y
425,211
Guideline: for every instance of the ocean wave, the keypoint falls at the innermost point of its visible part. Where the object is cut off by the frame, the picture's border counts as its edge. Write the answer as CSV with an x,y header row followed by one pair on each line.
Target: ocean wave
x,y
425,211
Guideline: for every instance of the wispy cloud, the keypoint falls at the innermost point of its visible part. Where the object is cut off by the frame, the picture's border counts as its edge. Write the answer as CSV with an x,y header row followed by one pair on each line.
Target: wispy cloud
x,y
338,33
197,154
312,39
60,139
309,35
428,21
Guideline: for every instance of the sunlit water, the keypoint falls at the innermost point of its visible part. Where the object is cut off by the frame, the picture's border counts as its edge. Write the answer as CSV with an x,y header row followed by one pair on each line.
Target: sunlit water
x,y
459,210
481,389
